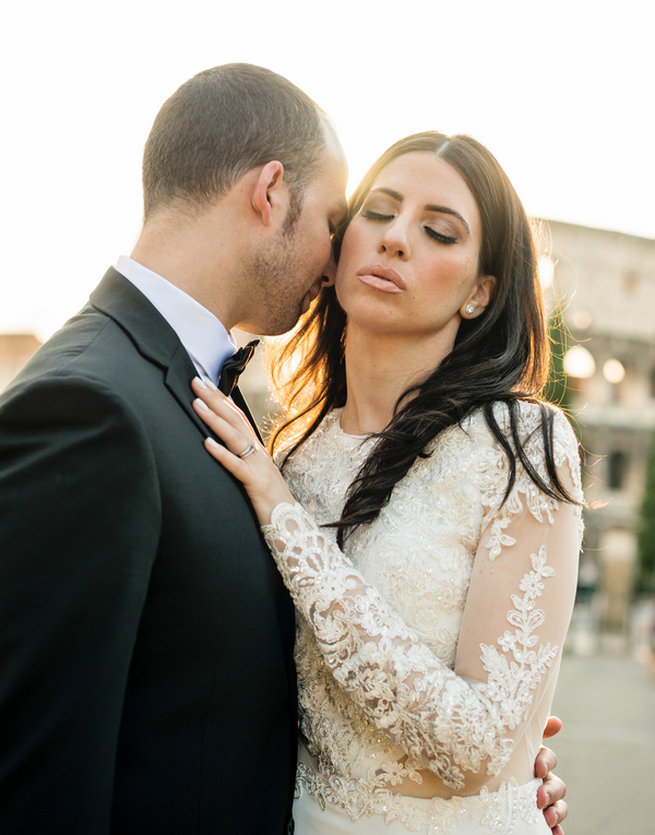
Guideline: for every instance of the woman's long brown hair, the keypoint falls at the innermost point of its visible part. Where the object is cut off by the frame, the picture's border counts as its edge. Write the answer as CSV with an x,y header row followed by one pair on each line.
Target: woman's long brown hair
x,y
501,356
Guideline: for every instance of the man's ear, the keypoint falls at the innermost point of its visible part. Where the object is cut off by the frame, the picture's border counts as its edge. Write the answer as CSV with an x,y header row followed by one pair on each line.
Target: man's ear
x,y
270,192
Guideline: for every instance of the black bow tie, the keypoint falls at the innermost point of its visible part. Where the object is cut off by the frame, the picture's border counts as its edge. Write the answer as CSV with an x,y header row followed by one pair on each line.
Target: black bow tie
x,y
234,366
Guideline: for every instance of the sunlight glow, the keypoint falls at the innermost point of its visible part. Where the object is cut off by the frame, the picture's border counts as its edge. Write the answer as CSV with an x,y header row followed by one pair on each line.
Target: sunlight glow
x,y
578,362
581,319
614,371
546,267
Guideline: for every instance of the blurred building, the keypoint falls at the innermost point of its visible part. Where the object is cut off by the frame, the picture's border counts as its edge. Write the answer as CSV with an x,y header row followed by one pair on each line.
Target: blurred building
x,y
606,281
15,350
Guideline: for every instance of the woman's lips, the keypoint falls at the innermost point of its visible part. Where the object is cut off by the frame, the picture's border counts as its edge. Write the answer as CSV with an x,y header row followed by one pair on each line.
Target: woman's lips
x,y
382,278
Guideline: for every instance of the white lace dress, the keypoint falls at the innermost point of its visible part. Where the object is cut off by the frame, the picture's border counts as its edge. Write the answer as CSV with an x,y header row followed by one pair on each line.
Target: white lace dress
x,y
428,650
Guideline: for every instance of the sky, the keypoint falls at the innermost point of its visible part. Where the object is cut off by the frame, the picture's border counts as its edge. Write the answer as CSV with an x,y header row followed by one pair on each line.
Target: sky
x,y
561,92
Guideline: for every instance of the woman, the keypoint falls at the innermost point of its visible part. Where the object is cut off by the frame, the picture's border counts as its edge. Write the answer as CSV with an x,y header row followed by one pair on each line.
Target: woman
x,y
434,605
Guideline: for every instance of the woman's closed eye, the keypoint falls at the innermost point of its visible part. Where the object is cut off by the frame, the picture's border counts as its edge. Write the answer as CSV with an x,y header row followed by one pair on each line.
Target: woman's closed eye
x,y
371,214
386,215
439,236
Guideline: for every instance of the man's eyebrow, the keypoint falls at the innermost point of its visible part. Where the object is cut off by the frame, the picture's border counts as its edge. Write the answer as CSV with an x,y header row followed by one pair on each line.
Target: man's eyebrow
x,y
429,207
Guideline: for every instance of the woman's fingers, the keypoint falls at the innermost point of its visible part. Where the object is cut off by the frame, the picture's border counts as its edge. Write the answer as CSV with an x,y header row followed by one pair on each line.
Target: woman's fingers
x,y
224,418
221,405
243,455
227,422
229,460
236,438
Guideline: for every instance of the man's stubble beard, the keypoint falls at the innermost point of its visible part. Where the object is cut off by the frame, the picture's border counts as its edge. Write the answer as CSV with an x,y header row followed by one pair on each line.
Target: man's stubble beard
x,y
274,272
273,278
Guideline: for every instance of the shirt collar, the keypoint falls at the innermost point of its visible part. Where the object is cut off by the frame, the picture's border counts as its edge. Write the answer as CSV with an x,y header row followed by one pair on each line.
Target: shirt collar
x,y
203,336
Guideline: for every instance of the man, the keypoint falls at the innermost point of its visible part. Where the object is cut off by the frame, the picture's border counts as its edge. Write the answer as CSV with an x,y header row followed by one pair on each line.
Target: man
x,y
145,636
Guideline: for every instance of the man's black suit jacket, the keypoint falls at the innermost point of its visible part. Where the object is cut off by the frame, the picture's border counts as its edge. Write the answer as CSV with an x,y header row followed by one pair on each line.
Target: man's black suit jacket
x,y
146,677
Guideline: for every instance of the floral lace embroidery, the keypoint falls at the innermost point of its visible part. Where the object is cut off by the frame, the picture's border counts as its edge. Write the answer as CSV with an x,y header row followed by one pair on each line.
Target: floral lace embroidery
x,y
511,682
378,629
391,675
540,506
505,811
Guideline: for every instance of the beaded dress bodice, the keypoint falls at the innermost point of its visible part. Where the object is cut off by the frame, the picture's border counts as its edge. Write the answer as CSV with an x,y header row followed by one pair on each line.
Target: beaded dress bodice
x,y
432,641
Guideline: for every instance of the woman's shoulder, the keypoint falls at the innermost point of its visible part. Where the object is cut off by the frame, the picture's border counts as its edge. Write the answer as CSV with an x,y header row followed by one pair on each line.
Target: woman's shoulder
x,y
534,424
540,420
523,417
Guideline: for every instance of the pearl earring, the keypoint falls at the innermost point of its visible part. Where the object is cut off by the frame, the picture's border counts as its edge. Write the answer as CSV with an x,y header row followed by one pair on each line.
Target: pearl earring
x,y
469,309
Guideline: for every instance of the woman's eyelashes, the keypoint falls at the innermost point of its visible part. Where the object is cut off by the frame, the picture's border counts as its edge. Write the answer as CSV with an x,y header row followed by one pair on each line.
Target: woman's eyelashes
x,y
373,214
439,236
370,214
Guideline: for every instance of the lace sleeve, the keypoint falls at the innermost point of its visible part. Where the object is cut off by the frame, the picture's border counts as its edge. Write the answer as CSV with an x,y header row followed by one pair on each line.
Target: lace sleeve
x,y
462,724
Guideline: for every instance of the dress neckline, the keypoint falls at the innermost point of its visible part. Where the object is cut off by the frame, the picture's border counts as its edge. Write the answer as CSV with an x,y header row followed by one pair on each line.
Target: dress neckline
x,y
336,417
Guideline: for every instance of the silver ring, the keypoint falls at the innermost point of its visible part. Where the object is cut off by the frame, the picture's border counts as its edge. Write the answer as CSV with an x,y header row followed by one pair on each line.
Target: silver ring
x,y
250,448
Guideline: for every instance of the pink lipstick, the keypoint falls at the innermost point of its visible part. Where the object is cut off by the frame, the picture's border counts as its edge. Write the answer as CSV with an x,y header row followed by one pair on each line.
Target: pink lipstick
x,y
382,278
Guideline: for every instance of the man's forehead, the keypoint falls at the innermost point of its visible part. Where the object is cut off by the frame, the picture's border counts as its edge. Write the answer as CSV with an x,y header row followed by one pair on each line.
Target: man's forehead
x,y
335,200
330,184
332,143
333,151
341,208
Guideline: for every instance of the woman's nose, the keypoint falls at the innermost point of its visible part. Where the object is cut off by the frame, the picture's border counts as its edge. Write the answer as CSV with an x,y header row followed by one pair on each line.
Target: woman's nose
x,y
394,239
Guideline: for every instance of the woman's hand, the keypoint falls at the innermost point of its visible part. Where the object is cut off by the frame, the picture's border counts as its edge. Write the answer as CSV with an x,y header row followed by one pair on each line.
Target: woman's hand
x,y
243,455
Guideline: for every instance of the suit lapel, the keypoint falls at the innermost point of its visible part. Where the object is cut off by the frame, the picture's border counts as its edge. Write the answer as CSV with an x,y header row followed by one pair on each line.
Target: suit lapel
x,y
119,299
153,337
178,381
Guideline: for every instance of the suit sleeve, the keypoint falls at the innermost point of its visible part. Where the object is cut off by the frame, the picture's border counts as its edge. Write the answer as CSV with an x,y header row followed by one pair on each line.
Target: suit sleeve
x,y
79,524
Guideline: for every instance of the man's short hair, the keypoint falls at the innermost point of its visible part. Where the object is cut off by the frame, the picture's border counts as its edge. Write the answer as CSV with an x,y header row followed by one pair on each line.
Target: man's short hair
x,y
222,123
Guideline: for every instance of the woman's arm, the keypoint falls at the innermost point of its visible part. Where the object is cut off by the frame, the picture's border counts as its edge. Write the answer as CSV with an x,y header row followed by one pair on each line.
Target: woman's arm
x,y
462,724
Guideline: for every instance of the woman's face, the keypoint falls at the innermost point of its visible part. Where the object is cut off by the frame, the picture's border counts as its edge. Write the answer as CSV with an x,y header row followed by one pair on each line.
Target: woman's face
x,y
409,258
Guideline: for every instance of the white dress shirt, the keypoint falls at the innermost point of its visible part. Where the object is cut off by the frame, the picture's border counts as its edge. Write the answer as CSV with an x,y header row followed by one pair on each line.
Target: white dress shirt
x,y
203,336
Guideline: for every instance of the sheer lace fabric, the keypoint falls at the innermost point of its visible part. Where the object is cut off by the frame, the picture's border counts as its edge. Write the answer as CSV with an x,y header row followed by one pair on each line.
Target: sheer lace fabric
x,y
427,653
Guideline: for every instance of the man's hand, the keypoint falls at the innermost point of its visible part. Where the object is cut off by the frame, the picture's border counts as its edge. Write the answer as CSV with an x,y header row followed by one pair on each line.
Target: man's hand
x,y
553,726
550,796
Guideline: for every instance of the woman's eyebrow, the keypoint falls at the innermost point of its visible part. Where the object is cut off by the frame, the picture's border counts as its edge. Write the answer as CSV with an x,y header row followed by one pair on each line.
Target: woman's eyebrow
x,y
446,211
395,195
389,192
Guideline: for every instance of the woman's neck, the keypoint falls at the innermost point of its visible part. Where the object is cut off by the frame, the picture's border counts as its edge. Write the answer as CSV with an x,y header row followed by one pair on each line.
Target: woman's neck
x,y
379,369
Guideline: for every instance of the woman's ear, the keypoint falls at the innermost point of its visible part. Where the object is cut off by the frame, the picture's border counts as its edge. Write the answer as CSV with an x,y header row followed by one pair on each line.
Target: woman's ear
x,y
477,302
330,272
270,192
